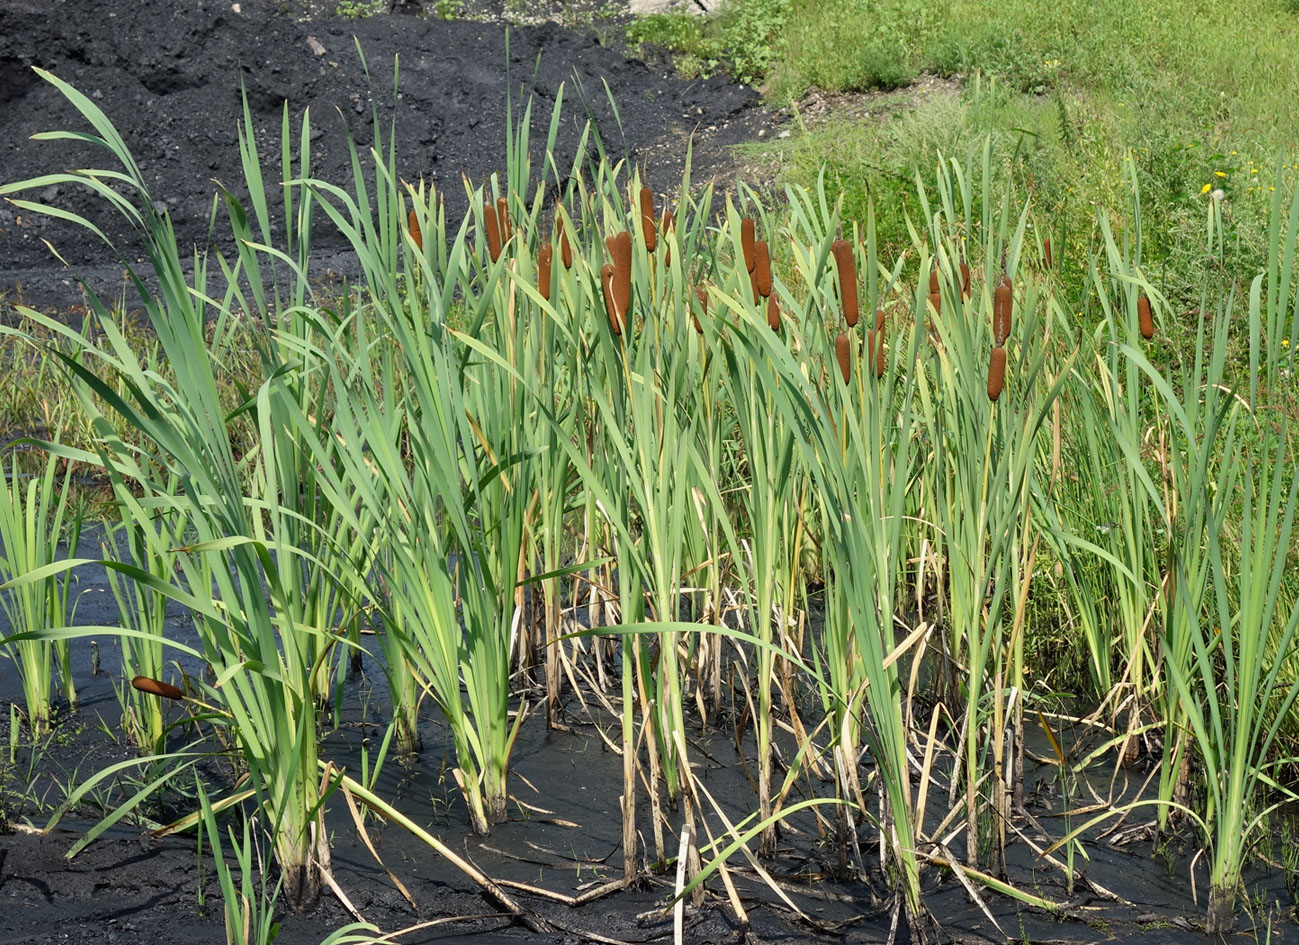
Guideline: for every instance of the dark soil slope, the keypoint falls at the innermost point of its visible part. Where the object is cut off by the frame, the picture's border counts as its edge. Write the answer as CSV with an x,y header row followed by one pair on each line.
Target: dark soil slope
x,y
169,73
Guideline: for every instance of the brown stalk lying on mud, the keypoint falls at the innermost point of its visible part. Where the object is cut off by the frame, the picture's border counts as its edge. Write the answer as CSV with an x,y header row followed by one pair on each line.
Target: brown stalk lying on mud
x,y
843,352
996,373
1145,321
157,688
647,219
847,266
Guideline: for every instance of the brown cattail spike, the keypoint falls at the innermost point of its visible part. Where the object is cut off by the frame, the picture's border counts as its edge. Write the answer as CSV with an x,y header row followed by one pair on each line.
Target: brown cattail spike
x,y
157,688
934,279
996,373
647,219
565,247
610,303
702,294
1003,304
936,300
668,225
412,224
1046,253
1145,321
843,351
762,268
875,348
748,235
847,266
773,314
503,218
879,319
544,257
965,280
620,252
492,224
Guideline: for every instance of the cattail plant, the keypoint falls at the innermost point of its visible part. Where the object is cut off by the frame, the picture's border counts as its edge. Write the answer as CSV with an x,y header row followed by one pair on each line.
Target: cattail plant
x,y
762,268
996,373
647,220
157,687
619,247
561,237
748,238
669,224
503,218
1003,304
492,230
966,286
846,266
843,354
773,313
412,225
545,256
611,298
1145,322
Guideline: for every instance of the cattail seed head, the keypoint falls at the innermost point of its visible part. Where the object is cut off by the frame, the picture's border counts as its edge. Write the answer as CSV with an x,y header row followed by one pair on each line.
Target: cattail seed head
x,y
879,319
996,373
492,224
619,247
748,236
157,688
1003,304
544,257
847,267
965,280
565,247
936,300
610,302
668,225
875,351
1046,253
843,352
503,218
647,219
702,294
773,314
934,279
762,267
1145,321
412,224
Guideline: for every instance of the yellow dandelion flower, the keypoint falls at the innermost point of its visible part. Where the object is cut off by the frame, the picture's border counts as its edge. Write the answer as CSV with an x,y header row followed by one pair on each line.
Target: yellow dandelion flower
x,y
1219,173
1206,188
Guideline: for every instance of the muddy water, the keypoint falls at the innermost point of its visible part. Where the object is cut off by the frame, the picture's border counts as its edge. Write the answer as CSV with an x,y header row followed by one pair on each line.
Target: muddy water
x,y
563,835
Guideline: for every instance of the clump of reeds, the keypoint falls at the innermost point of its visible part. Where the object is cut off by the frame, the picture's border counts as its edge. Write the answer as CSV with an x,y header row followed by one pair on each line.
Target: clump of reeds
x,y
843,353
996,373
156,687
647,219
1145,321
1003,304
847,267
